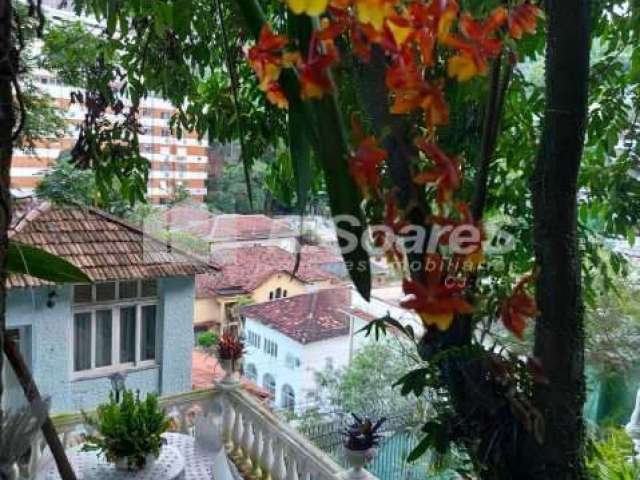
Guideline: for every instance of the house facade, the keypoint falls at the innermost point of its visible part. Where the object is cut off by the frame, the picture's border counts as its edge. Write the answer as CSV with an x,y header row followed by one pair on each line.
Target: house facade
x,y
291,338
135,319
253,274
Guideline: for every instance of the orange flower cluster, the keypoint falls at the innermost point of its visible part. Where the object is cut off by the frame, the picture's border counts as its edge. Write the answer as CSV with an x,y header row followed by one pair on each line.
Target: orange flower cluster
x,y
419,39
439,298
267,59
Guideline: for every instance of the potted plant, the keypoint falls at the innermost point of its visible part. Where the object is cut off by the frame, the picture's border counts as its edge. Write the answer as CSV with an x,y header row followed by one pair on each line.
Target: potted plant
x,y
360,441
128,431
230,350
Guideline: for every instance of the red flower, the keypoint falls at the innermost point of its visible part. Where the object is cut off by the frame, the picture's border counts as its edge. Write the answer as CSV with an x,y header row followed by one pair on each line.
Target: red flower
x,y
411,92
445,174
395,224
476,254
365,165
518,308
437,300
315,80
265,56
477,45
523,19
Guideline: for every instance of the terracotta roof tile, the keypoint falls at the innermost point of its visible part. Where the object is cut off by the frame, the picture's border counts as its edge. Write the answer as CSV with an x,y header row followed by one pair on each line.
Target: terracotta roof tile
x,y
310,317
103,246
246,268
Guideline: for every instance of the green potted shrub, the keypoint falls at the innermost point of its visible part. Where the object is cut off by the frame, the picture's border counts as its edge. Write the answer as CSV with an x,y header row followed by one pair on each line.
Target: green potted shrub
x,y
360,442
128,432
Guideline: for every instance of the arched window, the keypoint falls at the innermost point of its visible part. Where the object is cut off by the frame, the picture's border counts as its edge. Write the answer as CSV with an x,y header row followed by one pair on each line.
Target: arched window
x,y
278,292
284,293
288,398
251,372
270,295
269,383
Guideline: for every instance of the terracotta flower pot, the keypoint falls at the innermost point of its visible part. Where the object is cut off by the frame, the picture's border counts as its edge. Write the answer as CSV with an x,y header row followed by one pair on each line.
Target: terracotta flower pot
x,y
358,459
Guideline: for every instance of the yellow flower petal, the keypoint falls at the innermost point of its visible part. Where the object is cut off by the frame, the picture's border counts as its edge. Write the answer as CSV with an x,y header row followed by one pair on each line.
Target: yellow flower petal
x,y
297,6
373,12
462,67
316,7
443,322
400,34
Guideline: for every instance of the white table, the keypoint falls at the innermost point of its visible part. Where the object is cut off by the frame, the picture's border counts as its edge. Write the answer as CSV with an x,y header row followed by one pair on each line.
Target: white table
x,y
180,459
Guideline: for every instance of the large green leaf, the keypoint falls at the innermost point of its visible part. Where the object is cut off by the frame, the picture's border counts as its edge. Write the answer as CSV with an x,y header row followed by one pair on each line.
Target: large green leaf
x,y
41,264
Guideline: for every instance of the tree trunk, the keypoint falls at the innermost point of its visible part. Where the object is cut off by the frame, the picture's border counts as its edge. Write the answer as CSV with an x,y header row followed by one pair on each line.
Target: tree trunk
x,y
559,333
7,124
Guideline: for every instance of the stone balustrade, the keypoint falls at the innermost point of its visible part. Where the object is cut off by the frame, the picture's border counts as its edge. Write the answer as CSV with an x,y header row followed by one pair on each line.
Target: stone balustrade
x,y
261,445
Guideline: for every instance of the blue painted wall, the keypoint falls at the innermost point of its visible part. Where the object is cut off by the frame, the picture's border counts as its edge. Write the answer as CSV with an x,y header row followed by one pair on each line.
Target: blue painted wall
x,y
50,351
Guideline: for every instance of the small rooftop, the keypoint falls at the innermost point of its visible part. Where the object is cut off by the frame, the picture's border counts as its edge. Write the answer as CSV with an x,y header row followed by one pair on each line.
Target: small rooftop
x,y
243,269
310,317
104,247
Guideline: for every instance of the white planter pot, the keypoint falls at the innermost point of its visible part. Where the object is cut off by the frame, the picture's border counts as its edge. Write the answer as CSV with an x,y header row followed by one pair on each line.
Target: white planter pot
x,y
231,368
123,465
358,459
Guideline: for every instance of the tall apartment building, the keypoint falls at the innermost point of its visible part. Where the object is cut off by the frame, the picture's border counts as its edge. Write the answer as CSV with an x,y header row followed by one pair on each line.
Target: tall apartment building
x,y
173,162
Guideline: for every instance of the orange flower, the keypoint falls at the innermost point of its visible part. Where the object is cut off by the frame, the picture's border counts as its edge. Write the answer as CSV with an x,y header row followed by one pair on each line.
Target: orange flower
x,y
365,165
374,12
437,300
391,220
477,46
523,19
410,91
265,57
431,21
276,95
445,174
518,308
314,76
475,255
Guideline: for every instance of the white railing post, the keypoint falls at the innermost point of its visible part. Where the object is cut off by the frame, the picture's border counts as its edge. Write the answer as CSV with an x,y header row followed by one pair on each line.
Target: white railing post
x,y
256,453
633,427
247,443
278,470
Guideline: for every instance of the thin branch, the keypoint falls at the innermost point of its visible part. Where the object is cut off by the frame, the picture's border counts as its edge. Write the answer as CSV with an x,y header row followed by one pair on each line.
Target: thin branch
x,y
235,88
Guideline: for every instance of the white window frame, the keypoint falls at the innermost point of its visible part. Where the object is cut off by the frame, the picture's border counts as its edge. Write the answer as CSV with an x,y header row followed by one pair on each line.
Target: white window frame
x,y
114,306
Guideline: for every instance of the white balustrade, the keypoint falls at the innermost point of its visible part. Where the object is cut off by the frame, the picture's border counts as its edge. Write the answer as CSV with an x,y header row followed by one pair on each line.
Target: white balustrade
x,y
261,445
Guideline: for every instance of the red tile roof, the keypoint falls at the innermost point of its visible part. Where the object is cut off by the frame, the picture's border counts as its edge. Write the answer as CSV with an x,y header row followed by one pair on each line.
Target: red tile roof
x,y
199,221
310,317
207,371
244,269
101,245
320,254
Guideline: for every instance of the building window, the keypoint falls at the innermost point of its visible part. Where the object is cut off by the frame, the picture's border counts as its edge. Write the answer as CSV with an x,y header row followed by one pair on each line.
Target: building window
x,y
253,339
165,132
251,372
271,348
165,115
278,292
291,361
284,293
269,383
288,398
270,295
147,112
147,148
112,331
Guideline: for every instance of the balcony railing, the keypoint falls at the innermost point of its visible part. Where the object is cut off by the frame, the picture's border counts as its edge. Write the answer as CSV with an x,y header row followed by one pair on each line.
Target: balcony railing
x,y
259,443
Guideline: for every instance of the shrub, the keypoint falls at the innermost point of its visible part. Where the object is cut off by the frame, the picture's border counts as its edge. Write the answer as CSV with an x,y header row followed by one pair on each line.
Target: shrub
x,y
208,339
130,429
609,457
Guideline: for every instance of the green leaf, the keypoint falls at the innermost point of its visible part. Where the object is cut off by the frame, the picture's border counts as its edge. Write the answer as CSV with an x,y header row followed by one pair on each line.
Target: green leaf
x,y
28,260
414,381
420,449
